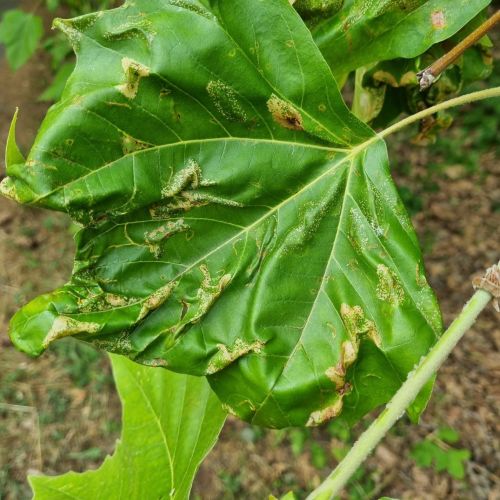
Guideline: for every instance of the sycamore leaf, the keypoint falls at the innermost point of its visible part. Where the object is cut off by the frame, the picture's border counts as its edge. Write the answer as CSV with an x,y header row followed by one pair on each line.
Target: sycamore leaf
x,y
170,423
240,222
20,32
364,32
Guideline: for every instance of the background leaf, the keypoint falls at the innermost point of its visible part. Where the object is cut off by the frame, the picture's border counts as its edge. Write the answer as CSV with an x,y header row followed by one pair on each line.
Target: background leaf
x,y
56,88
20,32
386,89
363,32
240,222
170,423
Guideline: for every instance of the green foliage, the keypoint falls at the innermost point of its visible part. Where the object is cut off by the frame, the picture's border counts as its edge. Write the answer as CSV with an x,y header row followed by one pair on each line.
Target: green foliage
x,y
21,33
435,451
298,438
55,89
363,33
13,154
319,457
79,361
213,176
386,89
317,9
289,496
170,423
476,135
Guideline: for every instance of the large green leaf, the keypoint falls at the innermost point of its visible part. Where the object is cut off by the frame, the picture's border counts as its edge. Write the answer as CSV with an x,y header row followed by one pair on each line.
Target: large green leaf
x,y
240,222
364,32
170,423
20,32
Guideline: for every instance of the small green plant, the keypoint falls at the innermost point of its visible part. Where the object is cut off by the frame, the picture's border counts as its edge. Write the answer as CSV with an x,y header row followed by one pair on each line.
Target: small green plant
x,y
436,451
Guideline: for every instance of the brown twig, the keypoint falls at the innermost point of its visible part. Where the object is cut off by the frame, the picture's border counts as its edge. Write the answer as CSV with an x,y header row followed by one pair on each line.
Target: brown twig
x,y
429,75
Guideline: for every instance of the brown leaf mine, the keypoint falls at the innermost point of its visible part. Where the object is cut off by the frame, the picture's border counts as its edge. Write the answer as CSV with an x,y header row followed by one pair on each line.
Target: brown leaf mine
x,y
284,113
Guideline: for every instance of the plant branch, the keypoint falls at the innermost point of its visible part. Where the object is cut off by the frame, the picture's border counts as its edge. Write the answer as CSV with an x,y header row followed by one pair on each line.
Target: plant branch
x,y
407,393
429,75
451,103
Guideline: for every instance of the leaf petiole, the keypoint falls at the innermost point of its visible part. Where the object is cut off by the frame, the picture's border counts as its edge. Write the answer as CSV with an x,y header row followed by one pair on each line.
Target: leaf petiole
x,y
451,103
428,366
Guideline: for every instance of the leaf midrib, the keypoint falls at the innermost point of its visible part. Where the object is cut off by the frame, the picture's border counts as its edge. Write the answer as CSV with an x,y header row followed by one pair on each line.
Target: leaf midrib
x,y
320,290
158,422
187,143
254,224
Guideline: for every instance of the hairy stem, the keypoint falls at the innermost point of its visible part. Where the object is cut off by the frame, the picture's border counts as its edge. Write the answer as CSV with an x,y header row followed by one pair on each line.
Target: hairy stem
x,y
429,75
402,399
458,101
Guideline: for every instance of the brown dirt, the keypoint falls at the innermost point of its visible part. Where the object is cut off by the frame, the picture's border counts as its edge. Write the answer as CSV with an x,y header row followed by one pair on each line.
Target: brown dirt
x,y
459,227
45,420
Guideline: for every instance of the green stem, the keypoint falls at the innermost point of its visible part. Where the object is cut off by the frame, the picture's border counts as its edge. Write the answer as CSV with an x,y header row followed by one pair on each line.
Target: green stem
x,y
402,399
458,101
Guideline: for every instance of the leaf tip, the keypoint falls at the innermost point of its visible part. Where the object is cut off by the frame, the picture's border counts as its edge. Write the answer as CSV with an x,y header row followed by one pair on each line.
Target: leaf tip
x,y
13,154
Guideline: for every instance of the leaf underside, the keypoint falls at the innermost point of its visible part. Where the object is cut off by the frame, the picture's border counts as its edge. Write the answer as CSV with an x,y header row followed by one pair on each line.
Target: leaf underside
x,y
239,221
161,460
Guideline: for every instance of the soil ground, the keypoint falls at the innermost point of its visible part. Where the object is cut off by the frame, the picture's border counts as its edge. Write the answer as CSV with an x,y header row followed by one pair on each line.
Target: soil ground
x,y
60,412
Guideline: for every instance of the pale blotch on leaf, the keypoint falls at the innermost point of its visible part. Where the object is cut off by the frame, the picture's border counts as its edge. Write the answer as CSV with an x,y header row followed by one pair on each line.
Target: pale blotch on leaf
x,y
182,188
184,4
348,354
121,345
159,234
358,325
95,301
133,29
315,8
192,199
358,232
284,113
117,300
82,23
228,354
155,363
134,72
64,326
310,217
321,416
8,189
131,145
438,20
190,177
420,278
72,30
226,101
389,288
229,409
209,291
156,299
